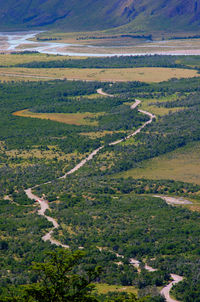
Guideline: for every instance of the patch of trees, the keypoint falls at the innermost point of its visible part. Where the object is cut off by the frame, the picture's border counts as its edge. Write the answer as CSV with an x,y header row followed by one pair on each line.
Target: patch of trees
x,y
190,100
20,229
148,37
114,62
138,227
58,280
155,90
69,105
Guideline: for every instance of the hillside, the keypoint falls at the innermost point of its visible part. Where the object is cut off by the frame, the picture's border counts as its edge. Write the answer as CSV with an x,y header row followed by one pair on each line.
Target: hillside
x,y
77,15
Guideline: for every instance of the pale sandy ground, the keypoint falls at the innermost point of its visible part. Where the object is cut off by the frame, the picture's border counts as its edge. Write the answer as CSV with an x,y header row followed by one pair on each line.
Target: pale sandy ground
x,y
174,200
21,41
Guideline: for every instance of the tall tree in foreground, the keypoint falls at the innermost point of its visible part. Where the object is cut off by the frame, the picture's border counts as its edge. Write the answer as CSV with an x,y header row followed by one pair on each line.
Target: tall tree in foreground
x,y
57,282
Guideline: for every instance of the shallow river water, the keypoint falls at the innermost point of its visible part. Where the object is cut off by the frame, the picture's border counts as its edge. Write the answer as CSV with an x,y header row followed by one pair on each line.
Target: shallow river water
x,y
21,41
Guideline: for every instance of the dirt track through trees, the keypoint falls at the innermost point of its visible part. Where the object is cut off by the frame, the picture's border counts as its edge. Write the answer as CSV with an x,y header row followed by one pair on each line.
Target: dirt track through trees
x,y
45,206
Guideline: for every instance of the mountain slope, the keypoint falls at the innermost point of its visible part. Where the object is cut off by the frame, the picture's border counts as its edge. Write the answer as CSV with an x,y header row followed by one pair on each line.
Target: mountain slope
x,y
100,14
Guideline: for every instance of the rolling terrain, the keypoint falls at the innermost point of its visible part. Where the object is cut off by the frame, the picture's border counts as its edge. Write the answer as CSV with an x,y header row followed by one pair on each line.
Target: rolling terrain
x,y
76,15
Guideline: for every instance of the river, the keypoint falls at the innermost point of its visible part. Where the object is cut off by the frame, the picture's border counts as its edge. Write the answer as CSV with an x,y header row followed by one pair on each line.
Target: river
x,y
21,41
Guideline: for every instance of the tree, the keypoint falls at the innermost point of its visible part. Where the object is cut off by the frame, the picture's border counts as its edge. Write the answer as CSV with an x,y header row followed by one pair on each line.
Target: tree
x,y
57,282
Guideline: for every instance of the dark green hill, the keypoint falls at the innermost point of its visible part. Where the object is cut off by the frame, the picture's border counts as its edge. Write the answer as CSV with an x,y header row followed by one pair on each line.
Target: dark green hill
x,y
78,15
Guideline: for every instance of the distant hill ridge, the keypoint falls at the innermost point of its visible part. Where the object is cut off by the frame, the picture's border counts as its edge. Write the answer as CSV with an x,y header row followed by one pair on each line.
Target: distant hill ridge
x,y
81,15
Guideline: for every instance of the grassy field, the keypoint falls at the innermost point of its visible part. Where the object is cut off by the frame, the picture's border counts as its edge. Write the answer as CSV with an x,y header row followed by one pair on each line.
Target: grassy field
x,y
147,74
182,164
13,59
103,288
147,104
66,118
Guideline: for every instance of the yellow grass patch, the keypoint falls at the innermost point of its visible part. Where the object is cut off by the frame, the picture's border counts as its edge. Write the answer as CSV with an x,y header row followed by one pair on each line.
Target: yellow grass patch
x,y
146,105
194,207
100,133
13,59
103,288
66,118
147,74
26,157
40,154
182,164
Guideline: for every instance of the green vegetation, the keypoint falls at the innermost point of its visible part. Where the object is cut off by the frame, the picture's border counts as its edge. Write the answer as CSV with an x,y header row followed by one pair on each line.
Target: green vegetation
x,y
21,228
56,282
181,164
138,227
117,62
34,150
164,135
132,17
60,279
112,218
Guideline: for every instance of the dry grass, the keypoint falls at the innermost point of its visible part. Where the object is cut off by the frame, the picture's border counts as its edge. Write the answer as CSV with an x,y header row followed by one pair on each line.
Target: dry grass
x,y
103,288
36,153
13,59
146,74
26,158
182,165
66,118
50,154
146,104
99,133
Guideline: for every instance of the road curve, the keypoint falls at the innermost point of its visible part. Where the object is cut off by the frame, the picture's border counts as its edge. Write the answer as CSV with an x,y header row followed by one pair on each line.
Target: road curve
x,y
45,206
100,91
166,290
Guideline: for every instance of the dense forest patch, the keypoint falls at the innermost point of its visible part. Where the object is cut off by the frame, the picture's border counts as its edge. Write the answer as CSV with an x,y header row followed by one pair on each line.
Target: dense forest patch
x,y
110,62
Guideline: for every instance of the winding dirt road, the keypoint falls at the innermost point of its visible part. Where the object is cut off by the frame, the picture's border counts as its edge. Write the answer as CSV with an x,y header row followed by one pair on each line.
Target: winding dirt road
x,y
166,290
100,91
44,203
45,206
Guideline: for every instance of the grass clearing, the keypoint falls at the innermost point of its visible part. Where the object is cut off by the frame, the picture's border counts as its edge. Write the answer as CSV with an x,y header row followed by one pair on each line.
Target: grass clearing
x,y
147,105
182,164
66,118
146,74
103,288
100,133
13,59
